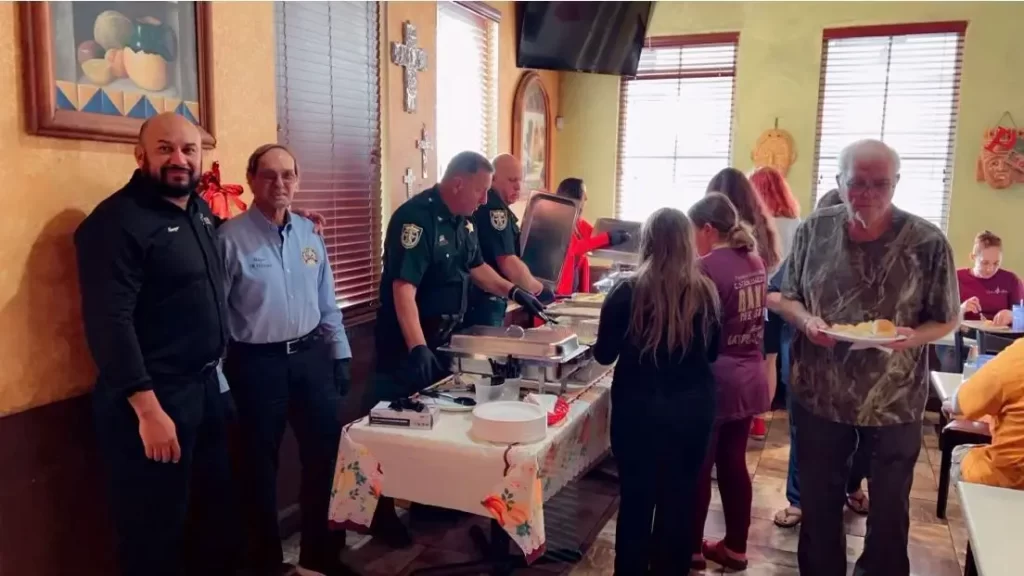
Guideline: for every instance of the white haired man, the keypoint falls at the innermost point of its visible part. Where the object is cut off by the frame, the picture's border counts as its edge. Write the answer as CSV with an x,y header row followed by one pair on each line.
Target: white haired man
x,y
863,260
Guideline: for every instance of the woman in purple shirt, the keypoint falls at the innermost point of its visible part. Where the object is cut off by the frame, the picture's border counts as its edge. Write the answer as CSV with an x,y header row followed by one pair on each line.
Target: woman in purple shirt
x,y
730,260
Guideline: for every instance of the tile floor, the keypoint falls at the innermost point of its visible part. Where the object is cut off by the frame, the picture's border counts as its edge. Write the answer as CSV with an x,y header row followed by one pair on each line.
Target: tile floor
x,y
937,547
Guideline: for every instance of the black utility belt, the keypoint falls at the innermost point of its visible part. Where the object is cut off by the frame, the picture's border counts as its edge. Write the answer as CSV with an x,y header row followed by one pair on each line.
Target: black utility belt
x,y
287,348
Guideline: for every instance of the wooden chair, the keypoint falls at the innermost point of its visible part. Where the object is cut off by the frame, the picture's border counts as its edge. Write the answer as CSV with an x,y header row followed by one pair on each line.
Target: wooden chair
x,y
956,433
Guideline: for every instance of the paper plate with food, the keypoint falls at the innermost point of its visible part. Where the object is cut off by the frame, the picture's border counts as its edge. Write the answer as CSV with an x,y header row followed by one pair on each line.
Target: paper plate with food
x,y
871,334
986,325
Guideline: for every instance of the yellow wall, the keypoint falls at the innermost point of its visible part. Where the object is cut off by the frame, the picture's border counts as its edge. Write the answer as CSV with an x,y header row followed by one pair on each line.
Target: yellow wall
x,y
401,129
50,184
778,68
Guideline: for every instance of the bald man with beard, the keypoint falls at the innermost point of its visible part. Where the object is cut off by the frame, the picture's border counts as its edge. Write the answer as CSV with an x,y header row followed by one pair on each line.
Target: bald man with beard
x,y
498,235
153,306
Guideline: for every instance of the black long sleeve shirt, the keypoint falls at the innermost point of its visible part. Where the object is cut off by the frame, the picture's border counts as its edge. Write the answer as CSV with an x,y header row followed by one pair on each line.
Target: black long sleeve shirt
x,y
152,288
644,374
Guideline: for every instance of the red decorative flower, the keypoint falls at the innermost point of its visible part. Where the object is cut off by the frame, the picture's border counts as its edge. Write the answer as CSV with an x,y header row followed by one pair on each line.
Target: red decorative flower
x,y
220,197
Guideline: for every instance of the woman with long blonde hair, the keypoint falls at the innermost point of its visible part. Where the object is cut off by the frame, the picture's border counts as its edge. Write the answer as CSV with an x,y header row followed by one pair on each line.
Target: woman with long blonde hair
x,y
729,258
662,326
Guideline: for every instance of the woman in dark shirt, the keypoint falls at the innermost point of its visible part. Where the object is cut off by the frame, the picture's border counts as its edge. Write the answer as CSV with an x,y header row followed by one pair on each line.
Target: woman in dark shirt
x,y
662,325
729,258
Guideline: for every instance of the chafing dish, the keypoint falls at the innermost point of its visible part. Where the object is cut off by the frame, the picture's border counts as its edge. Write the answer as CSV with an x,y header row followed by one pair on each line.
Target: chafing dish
x,y
548,224
550,354
627,253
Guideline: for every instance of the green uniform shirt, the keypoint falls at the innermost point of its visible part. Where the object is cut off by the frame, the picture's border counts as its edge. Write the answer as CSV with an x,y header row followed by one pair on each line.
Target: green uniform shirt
x,y
432,249
497,233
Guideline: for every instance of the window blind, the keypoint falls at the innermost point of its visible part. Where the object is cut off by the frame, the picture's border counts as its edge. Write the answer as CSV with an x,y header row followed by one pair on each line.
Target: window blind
x,y
675,123
899,84
328,113
467,83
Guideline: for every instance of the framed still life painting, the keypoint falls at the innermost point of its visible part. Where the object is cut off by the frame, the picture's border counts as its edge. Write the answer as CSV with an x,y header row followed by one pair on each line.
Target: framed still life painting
x,y
531,132
98,70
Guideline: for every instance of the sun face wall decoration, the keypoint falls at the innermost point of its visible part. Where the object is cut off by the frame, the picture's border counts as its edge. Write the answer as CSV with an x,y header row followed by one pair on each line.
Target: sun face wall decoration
x,y
775,148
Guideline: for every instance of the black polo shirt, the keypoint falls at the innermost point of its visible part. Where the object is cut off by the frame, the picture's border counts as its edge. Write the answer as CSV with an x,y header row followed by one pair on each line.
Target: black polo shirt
x,y
152,288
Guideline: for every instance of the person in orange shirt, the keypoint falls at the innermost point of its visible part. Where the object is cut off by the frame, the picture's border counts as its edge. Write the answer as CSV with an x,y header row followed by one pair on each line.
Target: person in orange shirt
x,y
994,393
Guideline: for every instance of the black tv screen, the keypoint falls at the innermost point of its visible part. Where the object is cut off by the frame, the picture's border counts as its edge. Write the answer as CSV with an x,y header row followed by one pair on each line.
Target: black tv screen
x,y
599,37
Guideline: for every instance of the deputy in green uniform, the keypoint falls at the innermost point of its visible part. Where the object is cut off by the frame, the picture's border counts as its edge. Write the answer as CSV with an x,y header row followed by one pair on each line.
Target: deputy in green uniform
x,y
497,233
430,257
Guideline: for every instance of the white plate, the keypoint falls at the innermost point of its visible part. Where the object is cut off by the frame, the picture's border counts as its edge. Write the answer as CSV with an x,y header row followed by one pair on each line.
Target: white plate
x,y
846,337
980,325
509,422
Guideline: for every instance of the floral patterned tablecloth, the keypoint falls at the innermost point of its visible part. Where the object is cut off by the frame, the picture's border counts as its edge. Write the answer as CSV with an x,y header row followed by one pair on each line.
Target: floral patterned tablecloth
x,y
445,467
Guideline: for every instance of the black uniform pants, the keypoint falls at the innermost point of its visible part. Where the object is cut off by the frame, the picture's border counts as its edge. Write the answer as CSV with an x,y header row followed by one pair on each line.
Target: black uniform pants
x,y
659,451
150,500
825,452
271,390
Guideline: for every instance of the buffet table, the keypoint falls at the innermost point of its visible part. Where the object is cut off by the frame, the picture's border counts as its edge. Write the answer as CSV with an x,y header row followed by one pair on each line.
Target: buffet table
x,y
444,466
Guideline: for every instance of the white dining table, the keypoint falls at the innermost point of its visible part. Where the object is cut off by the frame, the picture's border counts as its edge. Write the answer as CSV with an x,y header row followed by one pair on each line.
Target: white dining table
x,y
945,384
993,522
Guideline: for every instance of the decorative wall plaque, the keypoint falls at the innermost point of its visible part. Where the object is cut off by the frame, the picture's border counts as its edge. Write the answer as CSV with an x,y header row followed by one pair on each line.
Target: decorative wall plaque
x,y
412,59
425,146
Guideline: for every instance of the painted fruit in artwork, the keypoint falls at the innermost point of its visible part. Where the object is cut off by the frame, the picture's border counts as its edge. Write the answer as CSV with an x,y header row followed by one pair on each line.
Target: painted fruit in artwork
x,y
112,29
98,71
116,59
88,50
148,71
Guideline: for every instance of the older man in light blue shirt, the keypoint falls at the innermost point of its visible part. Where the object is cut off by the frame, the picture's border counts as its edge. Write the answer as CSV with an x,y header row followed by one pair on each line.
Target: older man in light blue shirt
x,y
287,361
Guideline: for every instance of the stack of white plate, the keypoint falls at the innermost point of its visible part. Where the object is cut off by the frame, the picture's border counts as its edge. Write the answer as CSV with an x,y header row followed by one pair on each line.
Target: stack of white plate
x,y
509,422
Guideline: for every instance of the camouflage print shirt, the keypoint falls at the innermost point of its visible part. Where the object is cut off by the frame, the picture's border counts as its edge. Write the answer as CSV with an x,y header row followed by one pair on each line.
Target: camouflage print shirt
x,y
906,276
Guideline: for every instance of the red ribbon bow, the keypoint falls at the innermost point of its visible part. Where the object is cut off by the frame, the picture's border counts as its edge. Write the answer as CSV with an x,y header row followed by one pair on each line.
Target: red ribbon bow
x,y
220,197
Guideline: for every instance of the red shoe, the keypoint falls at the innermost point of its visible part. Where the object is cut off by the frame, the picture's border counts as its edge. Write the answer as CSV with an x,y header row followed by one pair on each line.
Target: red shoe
x,y
717,553
758,428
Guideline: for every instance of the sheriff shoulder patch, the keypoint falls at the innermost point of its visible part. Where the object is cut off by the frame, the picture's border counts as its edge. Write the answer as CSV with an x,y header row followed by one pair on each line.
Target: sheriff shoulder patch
x,y
499,219
411,234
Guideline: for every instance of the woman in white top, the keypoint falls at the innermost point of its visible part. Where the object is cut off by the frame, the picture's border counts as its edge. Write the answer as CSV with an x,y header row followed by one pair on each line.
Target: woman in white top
x,y
783,209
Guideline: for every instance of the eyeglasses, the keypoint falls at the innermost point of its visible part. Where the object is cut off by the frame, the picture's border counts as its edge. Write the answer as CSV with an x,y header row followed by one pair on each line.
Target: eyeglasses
x,y
860,185
269,176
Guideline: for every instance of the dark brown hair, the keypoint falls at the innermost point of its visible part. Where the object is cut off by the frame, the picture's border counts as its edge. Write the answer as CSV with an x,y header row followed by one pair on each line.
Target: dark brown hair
x,y
735,186
571,188
254,159
717,211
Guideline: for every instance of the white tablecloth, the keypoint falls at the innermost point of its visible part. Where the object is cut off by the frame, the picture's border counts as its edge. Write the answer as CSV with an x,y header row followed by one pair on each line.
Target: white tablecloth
x,y
445,467
946,384
993,521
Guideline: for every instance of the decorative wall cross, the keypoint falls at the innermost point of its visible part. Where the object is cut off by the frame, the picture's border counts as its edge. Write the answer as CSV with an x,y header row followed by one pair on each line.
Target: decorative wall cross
x,y
412,59
425,146
409,180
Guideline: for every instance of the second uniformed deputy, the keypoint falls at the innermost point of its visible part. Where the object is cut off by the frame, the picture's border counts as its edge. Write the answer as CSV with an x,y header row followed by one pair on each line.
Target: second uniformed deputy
x,y
497,233
288,359
429,259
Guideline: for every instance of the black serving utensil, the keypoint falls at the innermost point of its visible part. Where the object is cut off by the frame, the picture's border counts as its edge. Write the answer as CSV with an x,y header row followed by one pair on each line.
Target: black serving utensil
x,y
460,400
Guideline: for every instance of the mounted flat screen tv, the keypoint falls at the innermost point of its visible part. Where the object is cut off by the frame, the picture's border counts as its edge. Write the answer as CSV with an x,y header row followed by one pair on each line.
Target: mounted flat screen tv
x,y
598,37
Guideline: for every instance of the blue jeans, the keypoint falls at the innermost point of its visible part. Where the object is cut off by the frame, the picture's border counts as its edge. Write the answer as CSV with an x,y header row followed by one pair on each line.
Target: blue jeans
x,y
861,458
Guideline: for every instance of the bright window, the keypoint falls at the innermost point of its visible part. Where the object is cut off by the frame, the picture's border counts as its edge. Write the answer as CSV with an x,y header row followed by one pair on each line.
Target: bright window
x,y
675,123
899,84
467,83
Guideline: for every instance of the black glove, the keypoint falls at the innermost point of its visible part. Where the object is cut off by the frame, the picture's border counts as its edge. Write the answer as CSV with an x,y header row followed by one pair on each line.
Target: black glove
x,y
616,237
421,368
342,375
526,300
546,296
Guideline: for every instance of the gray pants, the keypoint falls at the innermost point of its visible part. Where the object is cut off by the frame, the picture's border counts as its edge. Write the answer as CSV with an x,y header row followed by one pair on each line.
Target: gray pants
x,y
825,451
959,452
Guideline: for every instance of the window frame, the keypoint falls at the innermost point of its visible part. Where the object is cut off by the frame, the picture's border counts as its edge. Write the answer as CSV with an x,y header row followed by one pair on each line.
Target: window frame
x,y
893,30
491,18
682,41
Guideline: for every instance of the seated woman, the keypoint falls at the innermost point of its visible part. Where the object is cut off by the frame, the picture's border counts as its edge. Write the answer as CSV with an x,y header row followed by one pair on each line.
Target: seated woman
x,y
995,393
729,258
986,290
662,325
576,270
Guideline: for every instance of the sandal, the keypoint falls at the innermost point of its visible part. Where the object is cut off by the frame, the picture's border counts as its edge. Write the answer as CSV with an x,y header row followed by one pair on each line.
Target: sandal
x,y
788,517
858,502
